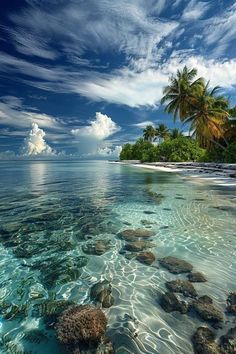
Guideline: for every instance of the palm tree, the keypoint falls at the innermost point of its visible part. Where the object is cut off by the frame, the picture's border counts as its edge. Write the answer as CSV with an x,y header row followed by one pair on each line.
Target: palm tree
x,y
149,133
162,131
207,116
180,92
175,133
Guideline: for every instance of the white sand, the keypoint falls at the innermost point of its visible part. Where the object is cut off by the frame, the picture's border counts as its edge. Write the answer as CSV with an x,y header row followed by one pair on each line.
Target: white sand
x,y
208,173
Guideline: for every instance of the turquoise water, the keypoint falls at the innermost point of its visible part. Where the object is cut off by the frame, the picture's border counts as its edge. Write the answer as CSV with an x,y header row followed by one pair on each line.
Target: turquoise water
x,y
51,211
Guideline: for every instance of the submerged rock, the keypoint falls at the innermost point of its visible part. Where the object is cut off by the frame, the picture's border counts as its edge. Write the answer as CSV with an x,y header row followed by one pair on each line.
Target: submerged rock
x,y
181,286
204,341
231,303
81,325
170,302
208,312
138,246
146,257
97,248
130,255
102,292
196,277
157,197
228,342
147,222
131,235
175,265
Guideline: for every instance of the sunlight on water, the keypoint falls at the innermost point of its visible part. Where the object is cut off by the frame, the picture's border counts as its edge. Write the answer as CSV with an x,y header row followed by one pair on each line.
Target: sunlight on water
x,y
56,215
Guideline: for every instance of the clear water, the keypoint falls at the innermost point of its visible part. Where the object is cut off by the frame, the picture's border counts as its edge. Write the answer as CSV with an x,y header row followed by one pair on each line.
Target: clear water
x,y
50,210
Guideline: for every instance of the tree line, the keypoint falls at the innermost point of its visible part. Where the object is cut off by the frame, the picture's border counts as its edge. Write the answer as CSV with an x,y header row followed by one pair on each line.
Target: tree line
x,y
206,113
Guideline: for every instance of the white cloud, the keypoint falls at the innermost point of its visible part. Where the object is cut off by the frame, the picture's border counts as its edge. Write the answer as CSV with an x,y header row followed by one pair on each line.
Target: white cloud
x,y
14,114
109,152
195,10
143,125
134,27
128,86
35,144
220,30
99,129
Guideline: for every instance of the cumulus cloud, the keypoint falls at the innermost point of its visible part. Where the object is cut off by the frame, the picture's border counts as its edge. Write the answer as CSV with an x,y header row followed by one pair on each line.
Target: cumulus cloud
x,y
109,152
35,144
91,139
99,129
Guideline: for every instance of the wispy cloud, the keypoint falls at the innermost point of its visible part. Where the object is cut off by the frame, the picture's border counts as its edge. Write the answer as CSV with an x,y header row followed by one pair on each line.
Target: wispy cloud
x,y
219,31
143,125
14,114
195,10
147,42
133,27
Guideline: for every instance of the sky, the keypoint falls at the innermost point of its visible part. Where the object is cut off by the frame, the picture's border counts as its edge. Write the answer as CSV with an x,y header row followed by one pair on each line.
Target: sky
x,y
83,77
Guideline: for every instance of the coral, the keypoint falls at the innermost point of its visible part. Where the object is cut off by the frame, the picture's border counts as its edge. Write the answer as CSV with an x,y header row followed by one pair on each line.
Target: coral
x,y
81,324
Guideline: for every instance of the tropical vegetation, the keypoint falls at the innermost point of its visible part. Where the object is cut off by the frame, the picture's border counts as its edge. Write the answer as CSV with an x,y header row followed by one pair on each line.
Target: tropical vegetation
x,y
206,114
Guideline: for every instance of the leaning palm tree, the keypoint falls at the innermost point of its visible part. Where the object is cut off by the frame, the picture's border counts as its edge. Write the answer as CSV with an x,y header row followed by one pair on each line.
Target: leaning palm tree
x,y
207,117
162,131
175,133
180,92
149,133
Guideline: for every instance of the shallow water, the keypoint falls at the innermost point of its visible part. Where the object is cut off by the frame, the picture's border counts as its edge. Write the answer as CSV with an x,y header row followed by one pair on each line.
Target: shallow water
x,y
50,210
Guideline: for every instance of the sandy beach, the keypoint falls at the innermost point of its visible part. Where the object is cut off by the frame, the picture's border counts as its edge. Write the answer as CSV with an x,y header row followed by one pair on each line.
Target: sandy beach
x,y
216,173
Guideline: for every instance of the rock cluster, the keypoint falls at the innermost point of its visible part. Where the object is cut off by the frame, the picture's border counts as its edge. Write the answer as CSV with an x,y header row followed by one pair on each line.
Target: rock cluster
x,y
207,311
170,302
204,341
182,286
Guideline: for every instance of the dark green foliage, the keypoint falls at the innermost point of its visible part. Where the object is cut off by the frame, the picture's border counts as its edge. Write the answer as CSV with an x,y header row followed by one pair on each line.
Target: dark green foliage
x,y
141,150
180,149
176,150
213,154
127,152
230,153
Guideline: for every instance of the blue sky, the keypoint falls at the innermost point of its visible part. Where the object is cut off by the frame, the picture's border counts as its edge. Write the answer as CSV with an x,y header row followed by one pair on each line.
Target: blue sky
x,y
90,73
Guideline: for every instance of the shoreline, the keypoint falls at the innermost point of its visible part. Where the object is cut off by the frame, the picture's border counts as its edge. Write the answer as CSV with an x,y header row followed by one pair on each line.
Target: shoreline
x,y
212,173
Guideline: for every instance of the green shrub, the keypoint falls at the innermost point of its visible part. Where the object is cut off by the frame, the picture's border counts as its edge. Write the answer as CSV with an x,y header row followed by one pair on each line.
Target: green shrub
x,y
214,154
230,153
180,149
176,150
126,152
